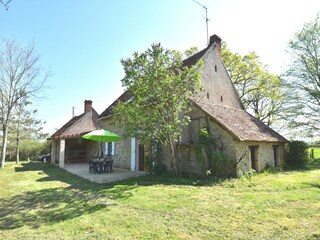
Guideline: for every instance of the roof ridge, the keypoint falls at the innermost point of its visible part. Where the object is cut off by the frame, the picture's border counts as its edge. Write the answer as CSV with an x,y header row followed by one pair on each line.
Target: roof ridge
x,y
195,57
72,122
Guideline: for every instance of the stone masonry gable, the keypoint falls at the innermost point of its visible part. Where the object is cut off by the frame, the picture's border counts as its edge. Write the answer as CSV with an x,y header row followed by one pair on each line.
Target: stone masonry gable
x,y
217,86
79,125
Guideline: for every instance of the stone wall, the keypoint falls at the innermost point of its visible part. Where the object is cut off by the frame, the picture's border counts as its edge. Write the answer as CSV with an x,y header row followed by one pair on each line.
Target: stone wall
x,y
265,155
92,148
217,85
186,152
226,142
189,163
122,153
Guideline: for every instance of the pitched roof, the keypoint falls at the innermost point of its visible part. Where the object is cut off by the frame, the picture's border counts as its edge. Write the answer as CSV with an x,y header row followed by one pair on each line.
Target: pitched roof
x,y
214,39
78,126
194,58
125,96
241,124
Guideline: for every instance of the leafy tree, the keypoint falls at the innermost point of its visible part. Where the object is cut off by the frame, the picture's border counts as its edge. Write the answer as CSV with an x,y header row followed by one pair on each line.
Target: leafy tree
x,y
303,79
260,91
160,88
32,149
20,77
266,101
24,125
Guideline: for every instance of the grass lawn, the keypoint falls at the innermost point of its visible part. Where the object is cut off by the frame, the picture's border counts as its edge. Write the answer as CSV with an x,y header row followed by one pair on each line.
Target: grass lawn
x,y
42,201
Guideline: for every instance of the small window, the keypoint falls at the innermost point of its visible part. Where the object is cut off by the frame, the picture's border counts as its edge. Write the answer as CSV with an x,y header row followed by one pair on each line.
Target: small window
x,y
254,157
215,68
109,148
208,95
221,98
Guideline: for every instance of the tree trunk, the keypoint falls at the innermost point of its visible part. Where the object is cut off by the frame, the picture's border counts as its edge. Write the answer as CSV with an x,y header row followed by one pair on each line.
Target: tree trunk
x,y
4,145
18,151
18,141
173,158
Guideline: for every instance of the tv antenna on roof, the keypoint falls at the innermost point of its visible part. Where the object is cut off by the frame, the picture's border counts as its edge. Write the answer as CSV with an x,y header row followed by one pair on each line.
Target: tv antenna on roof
x,y
207,19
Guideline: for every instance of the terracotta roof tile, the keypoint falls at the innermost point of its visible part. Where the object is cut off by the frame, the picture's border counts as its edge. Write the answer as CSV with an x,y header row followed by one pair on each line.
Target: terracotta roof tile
x,y
78,126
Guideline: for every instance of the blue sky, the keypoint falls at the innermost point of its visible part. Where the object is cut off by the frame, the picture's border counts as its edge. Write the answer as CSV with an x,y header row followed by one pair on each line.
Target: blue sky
x,y
82,42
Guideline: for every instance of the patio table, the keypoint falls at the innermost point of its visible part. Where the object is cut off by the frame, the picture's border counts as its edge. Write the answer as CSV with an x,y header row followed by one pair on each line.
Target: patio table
x,y
98,165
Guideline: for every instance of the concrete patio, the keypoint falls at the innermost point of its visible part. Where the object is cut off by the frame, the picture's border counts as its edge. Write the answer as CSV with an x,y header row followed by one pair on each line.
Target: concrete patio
x,y
82,170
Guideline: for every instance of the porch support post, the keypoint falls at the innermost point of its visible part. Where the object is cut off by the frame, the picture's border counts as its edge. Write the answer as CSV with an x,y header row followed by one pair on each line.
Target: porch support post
x,y
62,151
53,151
133,154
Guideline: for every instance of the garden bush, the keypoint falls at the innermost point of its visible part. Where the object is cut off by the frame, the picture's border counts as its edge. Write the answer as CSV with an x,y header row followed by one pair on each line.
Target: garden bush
x,y
296,154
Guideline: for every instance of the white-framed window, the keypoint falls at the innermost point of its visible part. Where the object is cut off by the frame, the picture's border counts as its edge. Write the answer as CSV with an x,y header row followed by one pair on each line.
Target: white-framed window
x,y
109,148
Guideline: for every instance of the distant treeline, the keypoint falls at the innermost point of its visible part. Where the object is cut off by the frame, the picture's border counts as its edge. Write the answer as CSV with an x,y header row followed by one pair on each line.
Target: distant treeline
x,y
314,145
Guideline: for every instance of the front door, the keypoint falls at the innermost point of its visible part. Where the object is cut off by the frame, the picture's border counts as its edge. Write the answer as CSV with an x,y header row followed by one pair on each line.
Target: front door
x,y
253,155
141,157
276,155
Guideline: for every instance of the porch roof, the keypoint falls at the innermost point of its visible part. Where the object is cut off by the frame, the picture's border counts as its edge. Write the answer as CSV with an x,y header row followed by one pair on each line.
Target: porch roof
x,y
242,125
78,126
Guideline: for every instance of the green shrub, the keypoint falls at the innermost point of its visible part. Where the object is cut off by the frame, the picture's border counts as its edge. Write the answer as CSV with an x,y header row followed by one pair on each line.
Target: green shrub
x,y
159,169
33,149
296,154
222,166
248,174
155,167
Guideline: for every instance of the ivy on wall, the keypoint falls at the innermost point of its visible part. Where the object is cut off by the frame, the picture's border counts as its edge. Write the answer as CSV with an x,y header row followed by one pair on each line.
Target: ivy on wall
x,y
211,158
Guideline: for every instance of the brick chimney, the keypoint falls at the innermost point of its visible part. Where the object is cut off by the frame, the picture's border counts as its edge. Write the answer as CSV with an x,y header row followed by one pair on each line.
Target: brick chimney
x,y
216,40
87,106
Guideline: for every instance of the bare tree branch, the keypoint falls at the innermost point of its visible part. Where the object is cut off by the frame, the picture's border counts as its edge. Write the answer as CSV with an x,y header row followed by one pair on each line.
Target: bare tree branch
x,y
5,4
20,77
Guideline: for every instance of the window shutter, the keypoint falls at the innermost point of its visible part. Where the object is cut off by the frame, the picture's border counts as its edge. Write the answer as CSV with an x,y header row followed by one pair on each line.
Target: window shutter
x,y
105,148
113,147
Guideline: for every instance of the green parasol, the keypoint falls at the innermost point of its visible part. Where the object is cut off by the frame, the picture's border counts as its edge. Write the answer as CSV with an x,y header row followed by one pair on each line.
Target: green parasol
x,y
102,136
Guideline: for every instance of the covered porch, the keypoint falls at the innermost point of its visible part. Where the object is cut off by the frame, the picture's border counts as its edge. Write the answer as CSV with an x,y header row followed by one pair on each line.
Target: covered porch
x,y
82,170
68,146
72,150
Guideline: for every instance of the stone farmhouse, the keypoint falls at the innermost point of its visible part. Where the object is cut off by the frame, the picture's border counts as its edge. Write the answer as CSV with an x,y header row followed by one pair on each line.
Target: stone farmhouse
x,y
241,136
217,107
